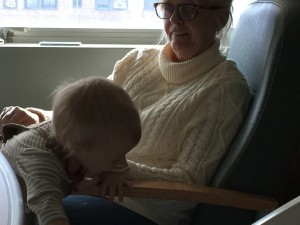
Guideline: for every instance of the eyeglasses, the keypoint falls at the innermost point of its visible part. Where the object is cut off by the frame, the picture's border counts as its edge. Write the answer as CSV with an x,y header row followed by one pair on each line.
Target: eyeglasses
x,y
185,11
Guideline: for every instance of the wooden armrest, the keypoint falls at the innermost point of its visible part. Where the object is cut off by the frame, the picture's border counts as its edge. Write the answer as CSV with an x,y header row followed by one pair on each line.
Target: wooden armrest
x,y
194,193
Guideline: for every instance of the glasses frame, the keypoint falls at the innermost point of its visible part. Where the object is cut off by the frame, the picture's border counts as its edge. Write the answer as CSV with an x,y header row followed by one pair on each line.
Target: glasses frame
x,y
175,7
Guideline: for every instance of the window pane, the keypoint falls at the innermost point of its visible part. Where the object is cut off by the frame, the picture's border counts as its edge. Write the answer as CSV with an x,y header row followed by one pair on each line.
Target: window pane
x,y
31,4
48,4
77,3
120,4
103,4
120,21
10,4
148,4
133,14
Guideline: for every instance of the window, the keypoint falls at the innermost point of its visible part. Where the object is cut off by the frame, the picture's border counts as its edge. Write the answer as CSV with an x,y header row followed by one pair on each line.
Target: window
x,y
148,5
40,4
10,4
77,3
88,21
113,14
120,4
111,4
48,4
103,4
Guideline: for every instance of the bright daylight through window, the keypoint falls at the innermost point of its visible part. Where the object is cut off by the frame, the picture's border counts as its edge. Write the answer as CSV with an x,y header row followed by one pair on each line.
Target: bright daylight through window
x,y
79,13
137,14
131,16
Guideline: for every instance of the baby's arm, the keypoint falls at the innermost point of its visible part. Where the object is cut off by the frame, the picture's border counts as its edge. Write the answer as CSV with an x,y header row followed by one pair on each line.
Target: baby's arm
x,y
42,175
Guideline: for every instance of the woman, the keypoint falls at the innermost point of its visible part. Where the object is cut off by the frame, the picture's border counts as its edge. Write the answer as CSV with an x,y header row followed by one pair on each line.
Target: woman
x,y
191,102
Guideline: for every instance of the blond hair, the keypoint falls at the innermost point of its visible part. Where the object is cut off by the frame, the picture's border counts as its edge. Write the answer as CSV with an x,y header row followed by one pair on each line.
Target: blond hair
x,y
93,111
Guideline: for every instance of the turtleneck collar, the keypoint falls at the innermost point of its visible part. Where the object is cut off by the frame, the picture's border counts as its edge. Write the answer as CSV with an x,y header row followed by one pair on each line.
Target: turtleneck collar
x,y
179,72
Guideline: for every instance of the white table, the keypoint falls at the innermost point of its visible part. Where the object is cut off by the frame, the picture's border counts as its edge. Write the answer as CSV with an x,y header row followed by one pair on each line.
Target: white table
x,y
288,214
11,202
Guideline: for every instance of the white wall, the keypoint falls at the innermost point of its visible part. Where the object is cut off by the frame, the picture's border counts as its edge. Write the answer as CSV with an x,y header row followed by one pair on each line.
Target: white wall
x,y
29,74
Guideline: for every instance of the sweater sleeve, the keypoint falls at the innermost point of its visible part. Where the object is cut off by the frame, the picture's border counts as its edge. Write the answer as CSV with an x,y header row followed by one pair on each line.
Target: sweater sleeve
x,y
206,140
41,173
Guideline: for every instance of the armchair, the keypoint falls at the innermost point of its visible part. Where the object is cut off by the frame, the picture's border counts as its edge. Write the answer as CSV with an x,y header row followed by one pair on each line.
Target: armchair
x,y
266,47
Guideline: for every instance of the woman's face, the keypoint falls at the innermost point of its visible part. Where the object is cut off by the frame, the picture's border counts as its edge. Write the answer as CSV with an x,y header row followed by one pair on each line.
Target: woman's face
x,y
190,38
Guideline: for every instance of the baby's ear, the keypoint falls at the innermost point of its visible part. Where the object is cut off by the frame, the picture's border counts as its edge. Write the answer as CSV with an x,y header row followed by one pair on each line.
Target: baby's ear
x,y
12,129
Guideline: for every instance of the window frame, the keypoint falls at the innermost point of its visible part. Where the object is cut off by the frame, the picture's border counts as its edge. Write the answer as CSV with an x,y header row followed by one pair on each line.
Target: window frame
x,y
85,35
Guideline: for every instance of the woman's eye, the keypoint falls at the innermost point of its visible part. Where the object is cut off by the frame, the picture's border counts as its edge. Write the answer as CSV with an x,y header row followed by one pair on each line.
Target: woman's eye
x,y
167,9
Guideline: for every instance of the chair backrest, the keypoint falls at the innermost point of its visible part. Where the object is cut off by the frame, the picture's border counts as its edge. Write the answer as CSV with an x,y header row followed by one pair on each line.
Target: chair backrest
x,y
266,47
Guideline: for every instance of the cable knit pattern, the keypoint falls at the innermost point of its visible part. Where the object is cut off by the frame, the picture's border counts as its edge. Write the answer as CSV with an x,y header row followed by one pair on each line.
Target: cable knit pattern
x,y
190,112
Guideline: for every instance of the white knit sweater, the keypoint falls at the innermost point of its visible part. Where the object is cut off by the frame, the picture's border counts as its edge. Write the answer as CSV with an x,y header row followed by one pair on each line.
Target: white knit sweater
x,y
190,112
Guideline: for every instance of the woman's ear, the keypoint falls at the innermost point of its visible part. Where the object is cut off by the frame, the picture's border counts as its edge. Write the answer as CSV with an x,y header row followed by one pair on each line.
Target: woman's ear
x,y
222,17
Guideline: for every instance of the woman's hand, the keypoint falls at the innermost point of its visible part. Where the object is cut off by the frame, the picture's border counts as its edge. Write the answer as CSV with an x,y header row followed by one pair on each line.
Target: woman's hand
x,y
18,115
113,184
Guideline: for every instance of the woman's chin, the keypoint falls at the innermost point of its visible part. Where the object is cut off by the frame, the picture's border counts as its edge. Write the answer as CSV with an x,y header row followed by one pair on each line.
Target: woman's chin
x,y
181,52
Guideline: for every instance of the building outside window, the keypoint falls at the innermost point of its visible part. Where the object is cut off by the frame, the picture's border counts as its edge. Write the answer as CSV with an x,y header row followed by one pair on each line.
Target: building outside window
x,y
40,4
120,4
78,13
77,3
148,5
10,4
111,4
103,4
119,17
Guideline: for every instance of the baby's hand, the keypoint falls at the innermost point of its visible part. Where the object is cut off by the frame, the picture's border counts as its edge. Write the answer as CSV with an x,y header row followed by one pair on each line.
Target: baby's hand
x,y
113,184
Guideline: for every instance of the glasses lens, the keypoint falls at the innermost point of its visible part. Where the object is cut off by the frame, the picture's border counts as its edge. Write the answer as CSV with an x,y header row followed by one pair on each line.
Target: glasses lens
x,y
164,11
187,12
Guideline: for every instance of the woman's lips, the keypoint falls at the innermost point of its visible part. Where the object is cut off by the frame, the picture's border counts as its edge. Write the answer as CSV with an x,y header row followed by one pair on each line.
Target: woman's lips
x,y
179,33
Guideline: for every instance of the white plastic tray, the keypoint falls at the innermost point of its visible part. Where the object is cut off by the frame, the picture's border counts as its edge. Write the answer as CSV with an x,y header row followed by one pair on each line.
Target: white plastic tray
x,y
11,202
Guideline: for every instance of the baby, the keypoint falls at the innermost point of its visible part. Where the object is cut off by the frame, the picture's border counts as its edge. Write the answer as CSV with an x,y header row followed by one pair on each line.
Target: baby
x,y
94,125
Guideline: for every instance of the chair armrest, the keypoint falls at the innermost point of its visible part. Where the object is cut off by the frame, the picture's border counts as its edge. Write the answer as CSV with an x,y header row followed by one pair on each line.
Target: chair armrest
x,y
194,193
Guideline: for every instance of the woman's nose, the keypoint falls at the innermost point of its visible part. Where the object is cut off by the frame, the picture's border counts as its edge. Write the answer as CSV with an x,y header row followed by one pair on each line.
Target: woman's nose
x,y
175,18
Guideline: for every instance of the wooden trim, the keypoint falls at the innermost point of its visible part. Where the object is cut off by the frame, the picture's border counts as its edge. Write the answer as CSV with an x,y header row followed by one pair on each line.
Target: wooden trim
x,y
194,193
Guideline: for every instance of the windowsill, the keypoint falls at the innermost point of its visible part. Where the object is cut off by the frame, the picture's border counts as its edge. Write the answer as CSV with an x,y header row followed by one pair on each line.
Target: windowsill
x,y
117,46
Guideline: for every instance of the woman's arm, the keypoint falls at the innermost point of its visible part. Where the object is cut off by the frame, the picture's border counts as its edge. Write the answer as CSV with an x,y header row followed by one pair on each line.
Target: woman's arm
x,y
18,115
23,116
44,115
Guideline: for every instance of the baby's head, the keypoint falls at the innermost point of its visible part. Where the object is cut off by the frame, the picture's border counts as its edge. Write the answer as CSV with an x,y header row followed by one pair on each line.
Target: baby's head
x,y
96,121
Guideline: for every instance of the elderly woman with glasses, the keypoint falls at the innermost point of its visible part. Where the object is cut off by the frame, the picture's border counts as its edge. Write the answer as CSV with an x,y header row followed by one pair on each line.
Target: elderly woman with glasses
x,y
191,101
